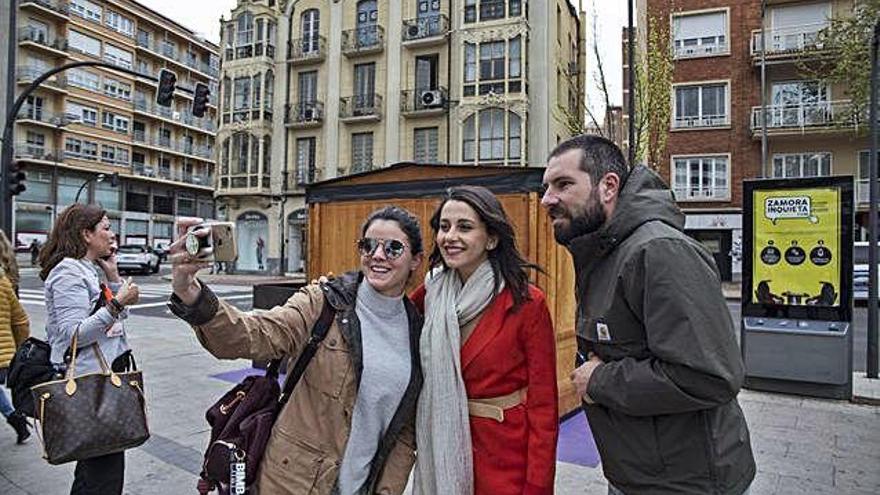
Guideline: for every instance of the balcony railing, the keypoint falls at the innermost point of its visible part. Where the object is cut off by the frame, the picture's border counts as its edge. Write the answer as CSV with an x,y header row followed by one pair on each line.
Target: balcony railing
x,y
425,28
170,52
59,6
40,37
305,175
27,74
304,113
363,40
702,50
698,121
804,117
307,50
424,101
174,145
368,106
701,193
29,151
789,40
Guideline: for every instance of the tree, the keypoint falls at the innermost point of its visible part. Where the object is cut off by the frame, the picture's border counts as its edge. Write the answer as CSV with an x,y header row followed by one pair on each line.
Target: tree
x,y
653,98
846,60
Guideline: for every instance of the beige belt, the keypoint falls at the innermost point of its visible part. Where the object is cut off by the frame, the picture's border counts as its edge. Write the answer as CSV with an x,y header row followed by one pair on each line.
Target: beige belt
x,y
493,407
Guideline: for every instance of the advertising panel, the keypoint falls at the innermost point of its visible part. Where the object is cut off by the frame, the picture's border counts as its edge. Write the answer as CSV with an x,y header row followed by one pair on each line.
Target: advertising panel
x,y
797,248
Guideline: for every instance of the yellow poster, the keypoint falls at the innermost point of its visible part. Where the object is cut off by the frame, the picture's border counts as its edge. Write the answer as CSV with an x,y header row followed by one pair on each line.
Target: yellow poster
x,y
797,247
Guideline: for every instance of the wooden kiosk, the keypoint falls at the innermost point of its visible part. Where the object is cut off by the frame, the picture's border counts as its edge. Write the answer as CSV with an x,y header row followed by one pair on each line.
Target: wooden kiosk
x,y
337,208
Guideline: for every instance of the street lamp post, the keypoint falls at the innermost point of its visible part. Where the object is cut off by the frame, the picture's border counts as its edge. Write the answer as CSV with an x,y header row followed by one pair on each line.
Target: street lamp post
x,y
114,180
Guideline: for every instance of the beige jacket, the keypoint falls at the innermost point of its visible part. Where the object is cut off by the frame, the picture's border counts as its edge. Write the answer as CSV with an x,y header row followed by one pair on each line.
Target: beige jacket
x,y
309,438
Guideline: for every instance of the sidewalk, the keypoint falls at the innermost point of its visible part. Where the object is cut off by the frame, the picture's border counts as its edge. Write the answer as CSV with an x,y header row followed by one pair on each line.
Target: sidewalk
x,y
802,446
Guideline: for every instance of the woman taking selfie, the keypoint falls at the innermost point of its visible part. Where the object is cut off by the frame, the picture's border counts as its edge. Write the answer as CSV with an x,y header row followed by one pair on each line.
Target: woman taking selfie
x,y
487,417
77,300
348,425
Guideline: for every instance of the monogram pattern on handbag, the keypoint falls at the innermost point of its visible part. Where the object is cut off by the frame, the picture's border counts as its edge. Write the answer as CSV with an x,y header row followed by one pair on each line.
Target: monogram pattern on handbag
x,y
91,415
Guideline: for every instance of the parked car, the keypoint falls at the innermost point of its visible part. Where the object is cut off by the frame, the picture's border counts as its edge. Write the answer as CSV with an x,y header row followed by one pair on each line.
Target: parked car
x,y
139,258
860,270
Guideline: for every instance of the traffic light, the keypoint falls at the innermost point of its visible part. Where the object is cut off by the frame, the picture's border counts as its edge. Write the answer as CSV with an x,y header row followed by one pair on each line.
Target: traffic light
x,y
200,99
15,180
165,93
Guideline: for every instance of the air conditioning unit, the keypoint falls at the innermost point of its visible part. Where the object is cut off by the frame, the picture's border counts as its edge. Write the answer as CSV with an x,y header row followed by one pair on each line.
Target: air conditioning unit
x,y
431,98
414,31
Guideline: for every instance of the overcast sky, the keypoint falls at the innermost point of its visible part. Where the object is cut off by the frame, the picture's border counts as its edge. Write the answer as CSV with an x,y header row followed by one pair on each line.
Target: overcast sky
x,y
202,16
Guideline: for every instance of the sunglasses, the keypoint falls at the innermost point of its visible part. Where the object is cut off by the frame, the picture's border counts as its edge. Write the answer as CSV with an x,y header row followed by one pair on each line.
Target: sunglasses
x,y
392,247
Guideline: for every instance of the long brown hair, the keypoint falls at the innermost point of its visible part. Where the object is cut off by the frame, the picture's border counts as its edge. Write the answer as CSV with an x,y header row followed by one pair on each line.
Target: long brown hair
x,y
7,260
66,239
507,262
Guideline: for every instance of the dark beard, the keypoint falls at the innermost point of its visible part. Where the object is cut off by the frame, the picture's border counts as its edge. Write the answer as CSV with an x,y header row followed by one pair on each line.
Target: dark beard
x,y
592,219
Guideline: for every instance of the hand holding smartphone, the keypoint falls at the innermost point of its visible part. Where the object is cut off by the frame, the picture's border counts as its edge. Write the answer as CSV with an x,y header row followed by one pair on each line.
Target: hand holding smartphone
x,y
218,245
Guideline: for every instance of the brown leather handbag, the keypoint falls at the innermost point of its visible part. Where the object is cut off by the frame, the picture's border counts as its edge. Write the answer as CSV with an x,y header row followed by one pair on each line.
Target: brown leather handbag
x,y
90,415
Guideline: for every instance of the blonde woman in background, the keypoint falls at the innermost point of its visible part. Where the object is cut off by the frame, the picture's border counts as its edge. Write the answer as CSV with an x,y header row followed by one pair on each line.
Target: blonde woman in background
x,y
14,329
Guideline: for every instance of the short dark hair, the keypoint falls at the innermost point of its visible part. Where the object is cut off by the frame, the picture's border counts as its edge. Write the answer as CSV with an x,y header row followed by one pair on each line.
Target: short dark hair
x,y
507,262
409,224
599,156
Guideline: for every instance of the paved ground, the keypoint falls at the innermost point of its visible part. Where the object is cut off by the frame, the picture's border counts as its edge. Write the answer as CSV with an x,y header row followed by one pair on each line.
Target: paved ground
x,y
803,446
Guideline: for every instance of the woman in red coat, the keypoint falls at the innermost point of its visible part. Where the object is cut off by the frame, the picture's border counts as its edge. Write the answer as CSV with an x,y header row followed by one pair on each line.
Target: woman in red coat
x,y
487,416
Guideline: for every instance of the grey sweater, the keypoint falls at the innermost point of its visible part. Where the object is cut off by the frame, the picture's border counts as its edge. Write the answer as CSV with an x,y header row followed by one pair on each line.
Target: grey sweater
x,y
71,290
386,373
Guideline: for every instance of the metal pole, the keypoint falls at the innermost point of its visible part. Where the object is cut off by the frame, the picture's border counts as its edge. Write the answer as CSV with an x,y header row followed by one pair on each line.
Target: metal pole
x,y
630,54
6,150
872,212
763,91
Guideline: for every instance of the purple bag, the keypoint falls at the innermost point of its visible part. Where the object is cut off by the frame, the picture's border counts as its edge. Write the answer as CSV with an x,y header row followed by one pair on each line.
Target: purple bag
x,y
241,421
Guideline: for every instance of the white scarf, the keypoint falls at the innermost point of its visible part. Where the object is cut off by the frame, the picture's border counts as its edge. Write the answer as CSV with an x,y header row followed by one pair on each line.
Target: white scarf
x,y
443,433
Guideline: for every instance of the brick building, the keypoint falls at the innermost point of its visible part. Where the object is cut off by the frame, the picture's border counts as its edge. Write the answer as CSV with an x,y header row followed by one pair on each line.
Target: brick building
x,y
716,130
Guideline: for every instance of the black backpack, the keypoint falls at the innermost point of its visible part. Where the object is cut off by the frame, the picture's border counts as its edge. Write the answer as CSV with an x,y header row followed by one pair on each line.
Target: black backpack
x,y
30,366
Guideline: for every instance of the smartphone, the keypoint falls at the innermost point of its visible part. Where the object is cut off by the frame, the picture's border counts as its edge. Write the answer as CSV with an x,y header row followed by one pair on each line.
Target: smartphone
x,y
221,238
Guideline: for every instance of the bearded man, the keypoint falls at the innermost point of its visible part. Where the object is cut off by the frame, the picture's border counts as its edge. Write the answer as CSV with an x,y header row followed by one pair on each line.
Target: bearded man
x,y
659,366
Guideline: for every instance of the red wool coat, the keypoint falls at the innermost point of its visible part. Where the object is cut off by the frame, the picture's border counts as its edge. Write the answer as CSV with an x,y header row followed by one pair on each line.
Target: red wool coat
x,y
509,350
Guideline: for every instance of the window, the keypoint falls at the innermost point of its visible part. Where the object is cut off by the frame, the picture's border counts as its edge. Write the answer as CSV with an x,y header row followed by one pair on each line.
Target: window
x,y
305,160
114,155
35,144
240,147
697,35
117,56
267,155
186,205
117,89
361,152
700,106
492,135
470,11
258,83
119,22
799,104
700,178
242,92
787,165
245,30
84,79
33,107
86,9
310,25
864,165
115,122
227,94
498,60
38,31
84,43
87,115
797,26
89,150
491,9
426,141
270,91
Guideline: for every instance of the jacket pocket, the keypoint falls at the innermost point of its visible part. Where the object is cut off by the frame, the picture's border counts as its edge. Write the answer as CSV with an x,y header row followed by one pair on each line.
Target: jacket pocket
x,y
293,465
628,445
330,367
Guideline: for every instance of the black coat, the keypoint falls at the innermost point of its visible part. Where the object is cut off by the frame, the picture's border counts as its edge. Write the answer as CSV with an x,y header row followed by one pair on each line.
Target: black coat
x,y
666,418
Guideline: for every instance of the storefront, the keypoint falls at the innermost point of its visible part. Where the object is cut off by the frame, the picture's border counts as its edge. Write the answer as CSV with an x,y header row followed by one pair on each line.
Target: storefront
x,y
721,234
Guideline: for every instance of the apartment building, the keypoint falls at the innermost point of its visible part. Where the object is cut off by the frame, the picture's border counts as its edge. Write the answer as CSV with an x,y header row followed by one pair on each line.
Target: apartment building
x,y
360,85
88,121
717,126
